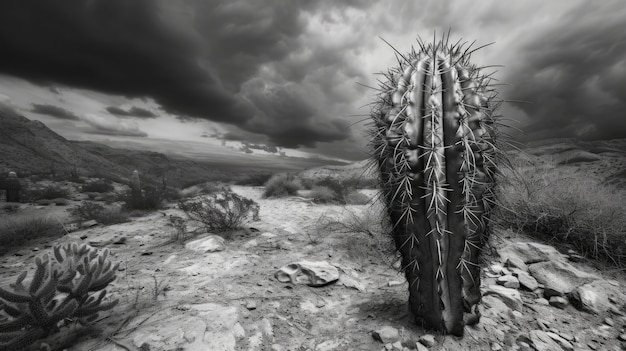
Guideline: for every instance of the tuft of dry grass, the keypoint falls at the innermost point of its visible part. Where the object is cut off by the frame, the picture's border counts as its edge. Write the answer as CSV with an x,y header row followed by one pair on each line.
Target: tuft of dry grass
x,y
566,208
16,231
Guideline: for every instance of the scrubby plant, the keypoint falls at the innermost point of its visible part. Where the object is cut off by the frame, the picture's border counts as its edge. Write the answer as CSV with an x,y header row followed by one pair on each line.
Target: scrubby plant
x,y
180,226
280,185
149,198
98,186
323,194
67,285
433,141
222,211
15,231
105,215
49,192
567,209
356,198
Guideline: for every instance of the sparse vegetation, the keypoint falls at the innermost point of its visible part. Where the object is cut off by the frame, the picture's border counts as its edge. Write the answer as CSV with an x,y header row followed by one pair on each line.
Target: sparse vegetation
x,y
221,211
98,186
105,215
49,192
566,208
180,226
281,185
16,231
149,199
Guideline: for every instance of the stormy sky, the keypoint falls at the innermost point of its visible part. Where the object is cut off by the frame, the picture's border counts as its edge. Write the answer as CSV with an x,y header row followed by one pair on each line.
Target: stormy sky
x,y
283,74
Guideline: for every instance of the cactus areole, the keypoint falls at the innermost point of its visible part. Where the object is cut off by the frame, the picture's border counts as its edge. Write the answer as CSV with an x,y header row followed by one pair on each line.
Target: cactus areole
x,y
433,139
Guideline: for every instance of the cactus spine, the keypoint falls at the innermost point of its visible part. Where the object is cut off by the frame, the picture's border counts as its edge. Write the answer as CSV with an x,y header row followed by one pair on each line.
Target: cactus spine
x,y
433,139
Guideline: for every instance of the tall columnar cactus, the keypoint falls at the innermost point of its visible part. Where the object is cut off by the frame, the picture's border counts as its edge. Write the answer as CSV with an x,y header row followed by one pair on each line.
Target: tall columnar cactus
x,y
13,187
135,184
434,143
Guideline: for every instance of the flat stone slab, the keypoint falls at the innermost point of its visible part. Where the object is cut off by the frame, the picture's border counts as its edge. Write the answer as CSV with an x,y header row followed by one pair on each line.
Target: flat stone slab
x,y
559,278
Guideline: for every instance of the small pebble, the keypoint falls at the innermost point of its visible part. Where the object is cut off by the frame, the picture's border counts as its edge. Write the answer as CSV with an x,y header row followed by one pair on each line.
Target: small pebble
x,y
251,306
622,337
609,321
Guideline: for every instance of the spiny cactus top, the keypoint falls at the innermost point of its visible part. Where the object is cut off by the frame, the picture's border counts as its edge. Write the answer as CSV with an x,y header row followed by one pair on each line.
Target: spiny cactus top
x,y
433,138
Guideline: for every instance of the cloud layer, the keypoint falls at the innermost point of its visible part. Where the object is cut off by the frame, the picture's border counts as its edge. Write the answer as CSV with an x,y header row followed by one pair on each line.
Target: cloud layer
x,y
284,73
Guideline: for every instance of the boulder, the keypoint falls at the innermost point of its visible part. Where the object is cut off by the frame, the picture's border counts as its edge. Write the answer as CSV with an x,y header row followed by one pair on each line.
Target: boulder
x,y
595,297
527,252
310,273
508,281
511,297
558,277
526,280
209,243
386,334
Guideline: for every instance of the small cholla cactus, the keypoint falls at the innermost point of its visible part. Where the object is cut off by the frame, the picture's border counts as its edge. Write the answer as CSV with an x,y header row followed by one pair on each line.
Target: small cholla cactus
x,y
12,186
434,137
69,284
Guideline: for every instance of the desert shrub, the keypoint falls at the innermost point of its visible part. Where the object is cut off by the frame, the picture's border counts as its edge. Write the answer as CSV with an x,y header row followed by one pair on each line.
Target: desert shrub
x,y
324,194
254,179
203,188
98,186
360,183
49,192
180,226
222,211
566,208
10,208
15,231
356,198
150,199
92,211
336,186
280,185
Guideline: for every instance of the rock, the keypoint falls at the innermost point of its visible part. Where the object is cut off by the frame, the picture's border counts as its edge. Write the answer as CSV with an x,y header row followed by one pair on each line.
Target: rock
x,y
329,345
496,346
251,306
596,296
526,280
559,302
542,301
508,281
494,307
386,334
394,283
510,297
310,273
609,321
397,345
427,340
559,278
515,262
88,224
528,252
420,347
565,345
209,243
496,268
268,235
622,337
541,341
251,243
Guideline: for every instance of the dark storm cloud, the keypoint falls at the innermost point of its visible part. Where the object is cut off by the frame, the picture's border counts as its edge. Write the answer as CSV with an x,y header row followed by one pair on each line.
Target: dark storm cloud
x,y
574,75
54,111
134,111
192,58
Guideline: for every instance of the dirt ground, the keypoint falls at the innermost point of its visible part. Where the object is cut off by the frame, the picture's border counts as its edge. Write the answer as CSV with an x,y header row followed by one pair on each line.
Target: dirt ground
x,y
172,298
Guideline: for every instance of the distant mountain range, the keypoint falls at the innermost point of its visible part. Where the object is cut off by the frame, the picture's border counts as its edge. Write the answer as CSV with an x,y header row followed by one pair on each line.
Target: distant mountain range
x,y
29,147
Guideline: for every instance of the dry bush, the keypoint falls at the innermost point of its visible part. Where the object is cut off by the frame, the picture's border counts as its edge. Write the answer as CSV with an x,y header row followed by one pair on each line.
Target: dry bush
x,y
323,194
356,198
19,230
105,215
221,211
571,209
280,185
